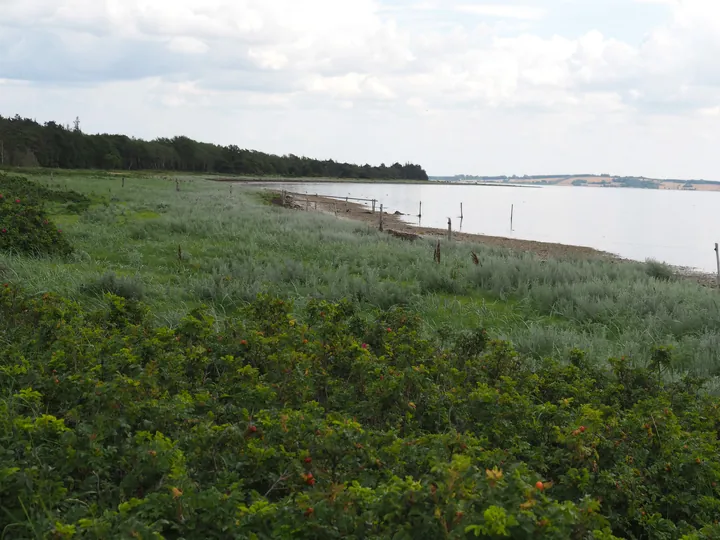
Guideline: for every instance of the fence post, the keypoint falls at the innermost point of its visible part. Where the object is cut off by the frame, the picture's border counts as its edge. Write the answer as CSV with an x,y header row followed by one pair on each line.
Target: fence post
x,y
420,210
373,206
512,213
381,221
177,185
461,211
449,229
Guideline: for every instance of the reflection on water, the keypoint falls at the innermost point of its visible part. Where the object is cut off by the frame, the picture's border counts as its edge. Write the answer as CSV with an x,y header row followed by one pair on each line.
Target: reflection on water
x,y
679,227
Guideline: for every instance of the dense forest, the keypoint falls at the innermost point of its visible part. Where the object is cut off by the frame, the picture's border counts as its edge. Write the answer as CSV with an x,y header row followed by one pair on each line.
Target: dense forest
x,y
27,143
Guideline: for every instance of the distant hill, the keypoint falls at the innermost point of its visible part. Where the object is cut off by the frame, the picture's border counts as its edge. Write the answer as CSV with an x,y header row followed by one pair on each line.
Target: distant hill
x,y
26,143
589,180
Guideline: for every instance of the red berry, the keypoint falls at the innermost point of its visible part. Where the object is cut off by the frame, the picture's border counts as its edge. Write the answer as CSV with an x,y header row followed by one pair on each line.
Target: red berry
x,y
308,459
253,429
389,329
582,429
309,512
540,485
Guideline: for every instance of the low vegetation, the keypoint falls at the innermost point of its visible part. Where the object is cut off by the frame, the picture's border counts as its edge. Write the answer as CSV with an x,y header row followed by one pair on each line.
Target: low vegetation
x,y
202,365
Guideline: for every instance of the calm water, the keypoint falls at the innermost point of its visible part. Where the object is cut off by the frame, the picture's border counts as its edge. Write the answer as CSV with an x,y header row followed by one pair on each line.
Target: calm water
x,y
678,227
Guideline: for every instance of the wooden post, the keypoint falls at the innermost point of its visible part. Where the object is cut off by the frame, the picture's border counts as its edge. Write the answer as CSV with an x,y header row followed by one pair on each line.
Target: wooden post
x,y
177,185
717,256
420,210
307,204
381,213
461,211
512,212
373,206
449,229
123,182
316,205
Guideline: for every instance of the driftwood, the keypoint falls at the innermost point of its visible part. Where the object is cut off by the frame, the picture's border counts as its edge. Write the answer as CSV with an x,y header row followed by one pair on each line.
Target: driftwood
x,y
403,235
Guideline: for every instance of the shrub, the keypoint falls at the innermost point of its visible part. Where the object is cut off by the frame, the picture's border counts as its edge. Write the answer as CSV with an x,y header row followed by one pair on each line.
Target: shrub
x,y
124,287
23,189
340,426
659,270
26,229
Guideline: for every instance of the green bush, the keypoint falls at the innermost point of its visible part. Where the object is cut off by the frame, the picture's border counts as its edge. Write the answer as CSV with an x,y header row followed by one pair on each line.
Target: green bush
x,y
336,424
109,282
19,187
26,229
659,270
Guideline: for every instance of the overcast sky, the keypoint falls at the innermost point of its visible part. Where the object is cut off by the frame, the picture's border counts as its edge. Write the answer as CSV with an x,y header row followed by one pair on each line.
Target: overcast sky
x,y
511,87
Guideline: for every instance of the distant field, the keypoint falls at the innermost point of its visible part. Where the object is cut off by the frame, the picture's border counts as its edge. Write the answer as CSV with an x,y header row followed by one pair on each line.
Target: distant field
x,y
591,181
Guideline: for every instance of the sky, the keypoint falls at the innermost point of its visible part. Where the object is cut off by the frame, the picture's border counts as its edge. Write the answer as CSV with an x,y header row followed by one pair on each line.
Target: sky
x,y
627,87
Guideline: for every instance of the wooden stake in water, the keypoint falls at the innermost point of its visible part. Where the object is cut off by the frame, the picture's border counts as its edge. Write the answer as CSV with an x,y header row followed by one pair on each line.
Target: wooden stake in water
x,y
717,256
461,211
420,210
449,229
381,221
512,212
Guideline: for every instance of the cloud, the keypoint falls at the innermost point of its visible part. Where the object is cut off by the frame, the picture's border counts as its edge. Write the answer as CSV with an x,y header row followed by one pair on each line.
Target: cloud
x,y
502,11
397,59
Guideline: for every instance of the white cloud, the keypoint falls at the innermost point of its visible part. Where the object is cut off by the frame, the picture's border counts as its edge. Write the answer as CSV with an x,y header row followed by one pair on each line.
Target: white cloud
x,y
188,45
496,62
502,10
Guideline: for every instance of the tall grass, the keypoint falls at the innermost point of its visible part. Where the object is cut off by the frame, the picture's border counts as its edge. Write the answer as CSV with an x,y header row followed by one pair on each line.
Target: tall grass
x,y
234,246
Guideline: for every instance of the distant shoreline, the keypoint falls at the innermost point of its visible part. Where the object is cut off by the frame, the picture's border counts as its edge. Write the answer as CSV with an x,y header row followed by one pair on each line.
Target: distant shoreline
x,y
587,180
294,180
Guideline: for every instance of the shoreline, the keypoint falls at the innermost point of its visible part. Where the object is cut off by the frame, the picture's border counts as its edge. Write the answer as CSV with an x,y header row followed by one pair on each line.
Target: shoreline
x,y
259,181
397,227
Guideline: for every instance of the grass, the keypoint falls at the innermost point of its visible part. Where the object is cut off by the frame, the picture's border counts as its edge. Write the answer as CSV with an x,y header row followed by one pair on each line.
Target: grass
x,y
233,245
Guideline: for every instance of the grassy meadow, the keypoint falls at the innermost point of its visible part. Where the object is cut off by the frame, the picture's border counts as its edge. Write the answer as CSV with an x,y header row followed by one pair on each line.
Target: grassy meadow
x,y
200,364
216,245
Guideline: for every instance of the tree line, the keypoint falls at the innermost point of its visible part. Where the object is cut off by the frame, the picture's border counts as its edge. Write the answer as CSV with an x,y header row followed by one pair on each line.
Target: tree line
x,y
27,143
